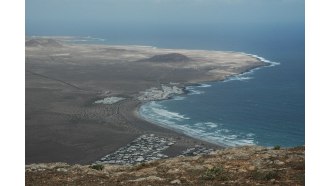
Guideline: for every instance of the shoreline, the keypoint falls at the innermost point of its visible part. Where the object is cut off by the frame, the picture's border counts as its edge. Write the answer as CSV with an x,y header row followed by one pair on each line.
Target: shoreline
x,y
63,124
175,132
137,113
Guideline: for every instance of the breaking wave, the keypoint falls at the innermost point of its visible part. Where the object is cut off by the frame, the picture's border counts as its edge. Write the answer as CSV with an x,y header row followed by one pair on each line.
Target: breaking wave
x,y
244,76
212,132
158,111
204,85
192,91
208,131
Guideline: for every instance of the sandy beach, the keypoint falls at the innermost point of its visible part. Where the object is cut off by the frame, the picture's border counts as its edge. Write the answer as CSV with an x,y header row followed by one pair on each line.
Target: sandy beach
x,y
82,99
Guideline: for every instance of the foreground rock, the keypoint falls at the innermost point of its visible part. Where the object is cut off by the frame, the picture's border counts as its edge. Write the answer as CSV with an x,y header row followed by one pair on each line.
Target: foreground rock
x,y
233,166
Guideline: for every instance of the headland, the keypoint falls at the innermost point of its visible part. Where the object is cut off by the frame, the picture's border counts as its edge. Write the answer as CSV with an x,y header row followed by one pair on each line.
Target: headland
x,y
81,99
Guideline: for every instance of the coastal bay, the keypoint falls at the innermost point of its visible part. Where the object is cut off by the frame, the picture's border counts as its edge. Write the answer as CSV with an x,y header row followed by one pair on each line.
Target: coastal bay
x,y
64,80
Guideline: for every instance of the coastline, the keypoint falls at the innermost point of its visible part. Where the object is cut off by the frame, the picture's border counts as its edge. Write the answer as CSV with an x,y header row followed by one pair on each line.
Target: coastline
x,y
185,87
182,141
63,124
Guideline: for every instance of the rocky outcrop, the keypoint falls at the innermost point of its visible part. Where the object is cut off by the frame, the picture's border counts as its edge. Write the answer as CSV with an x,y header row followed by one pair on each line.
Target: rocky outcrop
x,y
251,165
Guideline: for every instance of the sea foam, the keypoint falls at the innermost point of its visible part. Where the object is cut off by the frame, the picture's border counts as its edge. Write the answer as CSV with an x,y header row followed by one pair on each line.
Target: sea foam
x,y
160,112
244,76
204,85
212,132
208,131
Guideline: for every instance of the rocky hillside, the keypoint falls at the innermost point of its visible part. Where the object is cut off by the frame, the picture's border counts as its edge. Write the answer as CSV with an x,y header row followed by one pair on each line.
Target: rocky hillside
x,y
232,166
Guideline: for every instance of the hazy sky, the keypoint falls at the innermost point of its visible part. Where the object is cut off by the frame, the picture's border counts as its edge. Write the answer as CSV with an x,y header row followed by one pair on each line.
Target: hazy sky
x,y
60,12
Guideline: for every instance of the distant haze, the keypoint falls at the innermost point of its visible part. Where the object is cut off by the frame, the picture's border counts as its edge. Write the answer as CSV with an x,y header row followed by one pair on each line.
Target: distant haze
x,y
63,17
267,106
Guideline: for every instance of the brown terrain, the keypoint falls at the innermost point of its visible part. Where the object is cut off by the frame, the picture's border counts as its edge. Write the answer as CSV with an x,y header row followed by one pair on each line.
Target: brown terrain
x,y
63,80
82,105
231,166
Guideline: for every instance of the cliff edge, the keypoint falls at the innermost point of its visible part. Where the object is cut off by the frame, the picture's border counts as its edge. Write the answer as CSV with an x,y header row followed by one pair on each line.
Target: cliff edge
x,y
251,165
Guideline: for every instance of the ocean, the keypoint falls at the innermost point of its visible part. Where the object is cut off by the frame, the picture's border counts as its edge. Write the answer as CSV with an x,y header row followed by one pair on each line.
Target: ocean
x,y
263,107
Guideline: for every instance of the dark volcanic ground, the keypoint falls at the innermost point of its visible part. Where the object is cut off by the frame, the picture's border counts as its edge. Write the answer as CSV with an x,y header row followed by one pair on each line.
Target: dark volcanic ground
x,y
63,81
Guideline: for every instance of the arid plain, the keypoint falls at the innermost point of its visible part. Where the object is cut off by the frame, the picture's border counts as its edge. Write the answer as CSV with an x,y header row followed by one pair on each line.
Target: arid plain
x,y
63,81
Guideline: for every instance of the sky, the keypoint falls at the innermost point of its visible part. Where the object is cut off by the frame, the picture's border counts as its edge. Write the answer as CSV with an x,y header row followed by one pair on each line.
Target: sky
x,y
73,14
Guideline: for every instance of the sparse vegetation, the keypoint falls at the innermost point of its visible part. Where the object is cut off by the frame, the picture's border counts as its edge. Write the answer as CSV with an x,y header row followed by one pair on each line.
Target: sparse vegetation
x,y
97,167
267,175
144,165
224,167
277,147
215,172
297,165
140,166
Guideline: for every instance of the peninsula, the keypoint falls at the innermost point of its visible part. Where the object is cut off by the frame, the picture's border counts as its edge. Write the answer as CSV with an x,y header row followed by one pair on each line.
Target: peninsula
x,y
81,99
